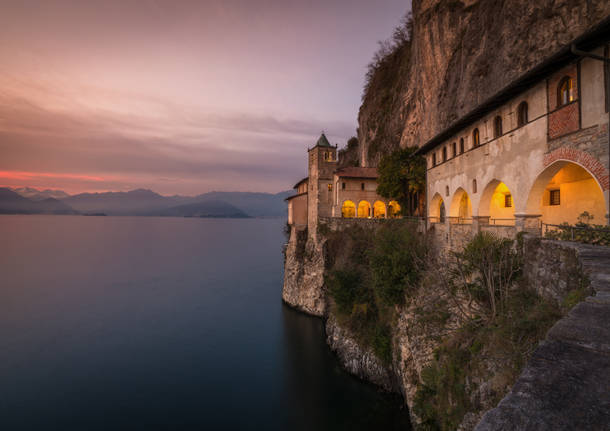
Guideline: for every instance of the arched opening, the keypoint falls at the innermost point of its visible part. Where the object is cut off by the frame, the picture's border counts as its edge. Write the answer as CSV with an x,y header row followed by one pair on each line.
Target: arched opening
x,y
454,149
497,203
444,154
364,209
565,91
563,192
522,114
437,209
461,145
379,210
394,209
460,211
348,210
476,138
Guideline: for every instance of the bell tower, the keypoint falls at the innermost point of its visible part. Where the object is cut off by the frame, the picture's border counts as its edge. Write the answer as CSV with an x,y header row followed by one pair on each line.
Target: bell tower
x,y
322,164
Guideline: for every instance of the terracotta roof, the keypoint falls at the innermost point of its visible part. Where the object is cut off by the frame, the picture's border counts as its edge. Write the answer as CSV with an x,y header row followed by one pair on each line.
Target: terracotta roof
x,y
354,172
301,182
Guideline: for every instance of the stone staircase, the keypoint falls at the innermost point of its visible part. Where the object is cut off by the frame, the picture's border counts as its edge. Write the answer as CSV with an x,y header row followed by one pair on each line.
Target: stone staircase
x,y
566,383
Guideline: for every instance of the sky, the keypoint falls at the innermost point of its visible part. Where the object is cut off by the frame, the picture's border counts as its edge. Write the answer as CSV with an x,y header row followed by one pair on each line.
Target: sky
x,y
181,97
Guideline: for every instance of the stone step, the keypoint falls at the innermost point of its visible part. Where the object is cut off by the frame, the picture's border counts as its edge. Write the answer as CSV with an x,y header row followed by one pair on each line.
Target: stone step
x,y
586,325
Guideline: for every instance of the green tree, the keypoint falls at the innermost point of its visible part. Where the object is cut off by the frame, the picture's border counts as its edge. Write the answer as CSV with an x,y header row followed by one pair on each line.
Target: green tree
x,y
402,176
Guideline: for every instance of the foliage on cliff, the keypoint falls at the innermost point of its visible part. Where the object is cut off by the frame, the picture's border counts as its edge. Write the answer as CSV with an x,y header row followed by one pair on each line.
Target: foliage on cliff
x,y
381,118
402,176
499,323
369,273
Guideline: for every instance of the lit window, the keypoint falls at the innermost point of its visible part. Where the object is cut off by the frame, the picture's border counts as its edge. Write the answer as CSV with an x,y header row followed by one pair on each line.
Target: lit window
x,y
476,139
522,114
508,201
330,187
565,93
555,198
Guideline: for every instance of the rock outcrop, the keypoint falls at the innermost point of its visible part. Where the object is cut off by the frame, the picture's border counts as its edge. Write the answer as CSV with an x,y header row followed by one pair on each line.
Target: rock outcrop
x,y
462,53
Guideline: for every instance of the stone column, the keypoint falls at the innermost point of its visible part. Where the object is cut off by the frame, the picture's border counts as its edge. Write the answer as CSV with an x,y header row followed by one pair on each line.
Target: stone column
x,y
529,223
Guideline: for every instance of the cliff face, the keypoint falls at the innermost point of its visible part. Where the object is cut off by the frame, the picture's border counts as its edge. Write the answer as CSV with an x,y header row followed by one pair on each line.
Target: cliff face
x,y
461,53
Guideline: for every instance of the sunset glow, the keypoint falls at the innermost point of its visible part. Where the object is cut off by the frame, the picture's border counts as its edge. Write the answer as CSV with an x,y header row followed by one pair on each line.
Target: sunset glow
x,y
180,98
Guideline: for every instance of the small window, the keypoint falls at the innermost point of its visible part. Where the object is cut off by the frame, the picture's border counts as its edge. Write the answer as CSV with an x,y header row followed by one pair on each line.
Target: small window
x,y
444,154
446,190
476,139
474,186
454,149
361,186
565,91
433,159
508,201
342,186
497,127
330,187
555,198
461,145
522,114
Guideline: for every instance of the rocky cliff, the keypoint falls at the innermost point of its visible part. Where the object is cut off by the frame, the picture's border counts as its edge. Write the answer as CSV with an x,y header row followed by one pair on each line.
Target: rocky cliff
x,y
462,53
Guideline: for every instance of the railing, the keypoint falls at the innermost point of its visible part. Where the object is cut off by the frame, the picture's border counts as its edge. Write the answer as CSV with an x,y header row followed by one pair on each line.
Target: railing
x,y
501,221
460,220
596,234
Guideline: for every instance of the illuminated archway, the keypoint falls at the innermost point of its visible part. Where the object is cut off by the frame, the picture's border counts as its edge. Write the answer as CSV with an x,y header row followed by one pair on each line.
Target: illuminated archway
x,y
348,210
461,207
497,203
379,210
394,209
437,209
364,209
565,190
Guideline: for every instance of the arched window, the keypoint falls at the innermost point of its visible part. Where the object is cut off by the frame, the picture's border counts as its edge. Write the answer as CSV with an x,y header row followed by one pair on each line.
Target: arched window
x,y
474,186
522,114
497,127
454,148
461,145
476,138
444,154
348,209
434,159
565,91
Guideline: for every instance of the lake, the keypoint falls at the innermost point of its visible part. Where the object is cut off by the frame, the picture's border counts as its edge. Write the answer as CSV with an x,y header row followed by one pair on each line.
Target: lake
x,y
138,323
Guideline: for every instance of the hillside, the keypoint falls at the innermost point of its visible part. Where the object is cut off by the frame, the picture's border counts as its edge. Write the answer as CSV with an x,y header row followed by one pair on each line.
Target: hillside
x,y
210,208
13,203
460,54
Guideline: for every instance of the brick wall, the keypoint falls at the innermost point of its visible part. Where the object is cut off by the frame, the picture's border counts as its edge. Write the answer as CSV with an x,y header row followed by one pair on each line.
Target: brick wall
x,y
565,120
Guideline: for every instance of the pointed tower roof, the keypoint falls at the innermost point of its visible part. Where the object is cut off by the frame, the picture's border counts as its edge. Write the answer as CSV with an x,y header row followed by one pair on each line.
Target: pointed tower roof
x,y
322,142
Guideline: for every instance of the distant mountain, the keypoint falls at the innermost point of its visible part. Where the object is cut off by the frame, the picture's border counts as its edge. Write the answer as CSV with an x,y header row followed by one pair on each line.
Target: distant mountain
x,y
253,204
209,208
135,202
37,195
14,203
147,202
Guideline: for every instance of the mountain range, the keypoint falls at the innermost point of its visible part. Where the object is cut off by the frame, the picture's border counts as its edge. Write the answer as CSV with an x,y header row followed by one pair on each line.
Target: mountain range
x,y
143,202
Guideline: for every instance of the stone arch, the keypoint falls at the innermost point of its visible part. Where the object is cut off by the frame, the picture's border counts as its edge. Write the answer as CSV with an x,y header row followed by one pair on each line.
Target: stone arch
x,y
460,209
379,210
437,209
497,202
585,160
364,209
348,209
578,188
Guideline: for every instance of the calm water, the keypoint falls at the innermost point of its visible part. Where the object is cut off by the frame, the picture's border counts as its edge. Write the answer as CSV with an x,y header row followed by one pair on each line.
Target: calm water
x,y
113,323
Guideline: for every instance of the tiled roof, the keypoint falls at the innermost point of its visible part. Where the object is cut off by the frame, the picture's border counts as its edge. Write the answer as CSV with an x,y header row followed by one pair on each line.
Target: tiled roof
x,y
354,172
323,142
304,180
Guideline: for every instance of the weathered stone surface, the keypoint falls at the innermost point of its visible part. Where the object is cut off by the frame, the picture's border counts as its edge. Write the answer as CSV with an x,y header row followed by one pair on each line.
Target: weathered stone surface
x,y
357,360
304,274
563,387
